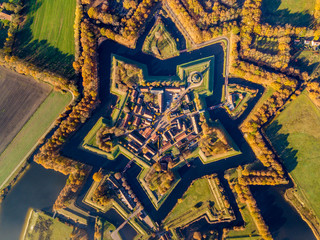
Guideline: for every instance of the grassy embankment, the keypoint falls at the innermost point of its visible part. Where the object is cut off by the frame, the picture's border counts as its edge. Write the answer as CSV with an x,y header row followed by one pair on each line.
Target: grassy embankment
x,y
266,94
89,143
240,104
160,43
116,204
295,12
41,226
107,229
47,37
295,134
203,197
249,230
25,141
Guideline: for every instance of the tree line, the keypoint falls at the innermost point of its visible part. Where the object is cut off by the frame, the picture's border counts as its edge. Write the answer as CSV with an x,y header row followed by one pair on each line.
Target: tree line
x,y
49,154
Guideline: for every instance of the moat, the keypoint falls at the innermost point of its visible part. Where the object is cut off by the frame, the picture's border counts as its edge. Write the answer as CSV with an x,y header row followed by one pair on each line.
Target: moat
x,y
289,218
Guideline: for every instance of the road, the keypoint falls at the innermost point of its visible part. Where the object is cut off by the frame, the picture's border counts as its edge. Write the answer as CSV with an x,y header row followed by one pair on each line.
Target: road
x,y
115,234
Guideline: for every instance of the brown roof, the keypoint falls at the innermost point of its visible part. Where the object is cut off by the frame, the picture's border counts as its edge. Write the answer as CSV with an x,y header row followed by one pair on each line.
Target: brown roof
x,y
139,101
144,89
195,125
136,121
146,133
136,109
191,136
187,98
173,89
141,110
5,16
126,120
166,147
134,94
180,136
154,137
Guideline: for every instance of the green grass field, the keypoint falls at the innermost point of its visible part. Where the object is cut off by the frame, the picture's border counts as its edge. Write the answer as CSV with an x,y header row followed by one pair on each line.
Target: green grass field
x,y
250,232
199,192
160,43
108,228
42,226
295,12
307,60
29,135
47,37
295,134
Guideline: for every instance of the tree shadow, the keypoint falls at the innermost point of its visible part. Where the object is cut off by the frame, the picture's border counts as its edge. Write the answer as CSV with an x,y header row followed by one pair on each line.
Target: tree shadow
x,y
40,52
272,15
281,145
272,213
304,64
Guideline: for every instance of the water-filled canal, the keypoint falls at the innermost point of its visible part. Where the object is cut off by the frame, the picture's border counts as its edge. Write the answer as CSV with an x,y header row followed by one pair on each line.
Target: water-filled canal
x,y
39,187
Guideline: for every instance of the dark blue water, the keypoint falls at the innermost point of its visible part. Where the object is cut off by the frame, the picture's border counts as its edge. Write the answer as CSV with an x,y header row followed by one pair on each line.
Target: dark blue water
x,y
38,188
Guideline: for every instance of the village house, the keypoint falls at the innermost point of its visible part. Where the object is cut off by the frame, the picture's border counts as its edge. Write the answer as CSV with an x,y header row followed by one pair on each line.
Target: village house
x,y
133,146
137,138
134,94
146,133
136,121
166,147
180,136
139,101
126,120
194,124
144,89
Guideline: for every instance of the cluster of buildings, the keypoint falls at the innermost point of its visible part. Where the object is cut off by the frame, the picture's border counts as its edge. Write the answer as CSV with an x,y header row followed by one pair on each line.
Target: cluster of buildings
x,y
129,199
308,42
143,139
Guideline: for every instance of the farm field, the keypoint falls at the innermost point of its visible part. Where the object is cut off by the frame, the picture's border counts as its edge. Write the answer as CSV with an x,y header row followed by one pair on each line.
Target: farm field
x,y
295,134
20,96
295,12
47,37
42,226
31,132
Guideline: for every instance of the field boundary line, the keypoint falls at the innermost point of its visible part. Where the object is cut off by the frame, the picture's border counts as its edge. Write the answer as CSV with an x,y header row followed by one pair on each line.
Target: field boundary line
x,y
25,158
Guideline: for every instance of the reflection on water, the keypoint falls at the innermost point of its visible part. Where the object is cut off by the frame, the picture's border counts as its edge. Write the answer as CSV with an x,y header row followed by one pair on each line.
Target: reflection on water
x,y
38,188
283,221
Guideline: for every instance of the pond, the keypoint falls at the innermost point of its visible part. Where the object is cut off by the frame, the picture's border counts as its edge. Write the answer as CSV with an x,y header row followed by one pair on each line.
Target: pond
x,y
38,188
284,222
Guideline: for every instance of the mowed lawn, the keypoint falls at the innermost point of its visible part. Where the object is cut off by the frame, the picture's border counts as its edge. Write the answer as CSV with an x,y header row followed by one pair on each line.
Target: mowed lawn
x,y
295,134
198,192
29,135
42,226
48,34
295,12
